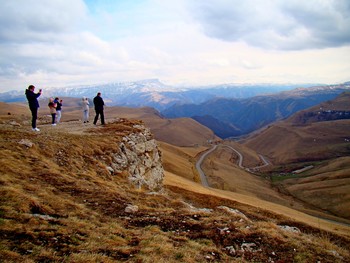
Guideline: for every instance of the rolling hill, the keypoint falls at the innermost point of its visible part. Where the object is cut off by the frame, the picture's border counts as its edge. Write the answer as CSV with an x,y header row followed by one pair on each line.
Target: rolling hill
x,y
60,202
310,154
302,137
236,117
180,132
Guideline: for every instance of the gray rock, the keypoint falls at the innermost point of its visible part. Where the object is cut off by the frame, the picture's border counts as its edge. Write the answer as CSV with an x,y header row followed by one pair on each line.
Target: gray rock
x,y
26,142
131,209
290,229
234,212
139,155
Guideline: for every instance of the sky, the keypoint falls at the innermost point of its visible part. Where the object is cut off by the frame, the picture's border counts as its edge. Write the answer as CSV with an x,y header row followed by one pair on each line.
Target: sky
x,y
60,43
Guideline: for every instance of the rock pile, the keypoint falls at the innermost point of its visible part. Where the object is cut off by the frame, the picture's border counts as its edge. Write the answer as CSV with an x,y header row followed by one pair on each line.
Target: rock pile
x,y
139,155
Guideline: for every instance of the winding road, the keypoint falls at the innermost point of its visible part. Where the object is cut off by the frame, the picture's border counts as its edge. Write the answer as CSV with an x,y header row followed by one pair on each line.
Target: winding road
x,y
240,162
199,163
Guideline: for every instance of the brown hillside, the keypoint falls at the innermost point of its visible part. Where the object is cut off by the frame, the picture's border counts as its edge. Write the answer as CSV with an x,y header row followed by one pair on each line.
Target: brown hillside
x,y
338,108
14,108
304,137
317,144
223,173
284,142
251,158
60,203
327,186
181,160
180,132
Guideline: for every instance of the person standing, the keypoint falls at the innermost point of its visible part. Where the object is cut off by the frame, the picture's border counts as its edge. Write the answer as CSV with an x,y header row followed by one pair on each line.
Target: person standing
x,y
33,104
52,106
99,104
85,104
58,109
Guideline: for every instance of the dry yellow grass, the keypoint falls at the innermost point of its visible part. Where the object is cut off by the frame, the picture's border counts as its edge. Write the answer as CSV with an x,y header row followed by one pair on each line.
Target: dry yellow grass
x,y
251,157
59,203
294,140
14,108
326,187
181,160
285,143
302,140
176,181
180,132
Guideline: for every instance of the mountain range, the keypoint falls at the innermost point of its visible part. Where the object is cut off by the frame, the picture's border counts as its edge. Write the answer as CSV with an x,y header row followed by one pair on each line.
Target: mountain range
x,y
153,93
230,110
231,117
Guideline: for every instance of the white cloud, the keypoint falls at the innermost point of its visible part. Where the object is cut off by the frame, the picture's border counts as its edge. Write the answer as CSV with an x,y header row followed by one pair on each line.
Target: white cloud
x,y
277,24
38,20
61,42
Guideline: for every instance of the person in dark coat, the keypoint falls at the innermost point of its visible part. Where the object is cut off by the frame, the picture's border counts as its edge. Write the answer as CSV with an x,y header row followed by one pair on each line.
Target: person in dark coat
x,y
33,104
99,104
58,109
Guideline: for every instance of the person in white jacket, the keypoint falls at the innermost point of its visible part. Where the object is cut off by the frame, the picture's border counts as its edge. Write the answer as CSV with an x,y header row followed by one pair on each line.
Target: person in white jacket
x,y
85,104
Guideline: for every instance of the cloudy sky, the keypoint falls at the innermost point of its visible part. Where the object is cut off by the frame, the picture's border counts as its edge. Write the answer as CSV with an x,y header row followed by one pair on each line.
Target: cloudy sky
x,y
54,43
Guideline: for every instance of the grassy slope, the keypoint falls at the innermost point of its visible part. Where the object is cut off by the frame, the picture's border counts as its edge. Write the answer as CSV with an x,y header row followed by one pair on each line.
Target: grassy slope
x,y
303,138
224,173
180,131
59,203
327,186
181,160
286,143
253,202
292,146
168,130
182,163
63,205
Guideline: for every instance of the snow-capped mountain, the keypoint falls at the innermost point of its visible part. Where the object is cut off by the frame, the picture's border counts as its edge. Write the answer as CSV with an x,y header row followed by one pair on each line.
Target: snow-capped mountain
x,y
154,93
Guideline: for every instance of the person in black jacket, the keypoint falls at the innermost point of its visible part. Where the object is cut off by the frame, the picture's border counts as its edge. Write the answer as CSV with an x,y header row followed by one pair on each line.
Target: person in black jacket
x,y
99,104
58,109
33,104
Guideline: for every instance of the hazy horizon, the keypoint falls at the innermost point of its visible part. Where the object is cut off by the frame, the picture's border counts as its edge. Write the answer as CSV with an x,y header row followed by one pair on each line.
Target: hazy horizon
x,y
175,87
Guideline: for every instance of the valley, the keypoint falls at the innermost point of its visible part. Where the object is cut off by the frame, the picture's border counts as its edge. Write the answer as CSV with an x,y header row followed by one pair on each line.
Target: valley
x,y
229,110
224,171
234,117
254,176
229,165
303,141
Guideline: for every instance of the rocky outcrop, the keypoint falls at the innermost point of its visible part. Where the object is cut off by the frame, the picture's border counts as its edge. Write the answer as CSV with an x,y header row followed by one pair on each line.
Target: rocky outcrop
x,y
139,155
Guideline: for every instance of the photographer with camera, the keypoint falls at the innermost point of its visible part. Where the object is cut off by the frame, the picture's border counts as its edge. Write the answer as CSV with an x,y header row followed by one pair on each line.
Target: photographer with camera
x,y
33,104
